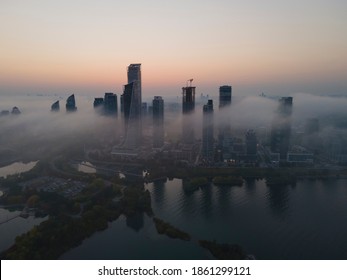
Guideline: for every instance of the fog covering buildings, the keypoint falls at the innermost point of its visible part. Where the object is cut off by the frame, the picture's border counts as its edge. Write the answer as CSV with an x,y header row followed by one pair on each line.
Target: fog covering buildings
x,y
55,106
281,129
158,121
71,104
225,93
207,132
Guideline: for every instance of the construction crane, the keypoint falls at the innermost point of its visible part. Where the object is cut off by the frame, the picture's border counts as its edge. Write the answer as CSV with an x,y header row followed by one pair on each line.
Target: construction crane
x,y
190,82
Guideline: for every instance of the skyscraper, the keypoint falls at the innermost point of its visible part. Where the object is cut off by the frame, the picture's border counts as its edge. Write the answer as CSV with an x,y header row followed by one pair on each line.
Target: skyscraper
x,y
110,103
131,105
207,131
281,128
225,96
188,106
55,106
158,122
71,103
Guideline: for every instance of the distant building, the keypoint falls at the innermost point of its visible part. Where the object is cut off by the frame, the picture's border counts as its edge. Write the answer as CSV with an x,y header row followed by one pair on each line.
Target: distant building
x,y
71,104
158,122
207,132
225,93
281,128
98,102
110,103
55,106
15,111
188,106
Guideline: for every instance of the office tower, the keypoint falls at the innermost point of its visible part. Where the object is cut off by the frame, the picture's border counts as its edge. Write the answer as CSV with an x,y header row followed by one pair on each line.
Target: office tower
x,y
207,131
98,102
158,121
281,128
225,96
55,106
188,106
131,107
71,104
110,103
251,143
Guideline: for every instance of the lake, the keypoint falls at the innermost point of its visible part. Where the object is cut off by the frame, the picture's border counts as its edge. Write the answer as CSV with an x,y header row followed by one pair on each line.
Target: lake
x,y
308,221
16,168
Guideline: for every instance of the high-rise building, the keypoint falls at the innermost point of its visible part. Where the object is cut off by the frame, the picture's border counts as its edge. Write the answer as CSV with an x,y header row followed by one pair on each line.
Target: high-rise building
x,y
188,106
225,96
55,106
98,102
158,121
207,132
131,106
110,103
281,128
71,103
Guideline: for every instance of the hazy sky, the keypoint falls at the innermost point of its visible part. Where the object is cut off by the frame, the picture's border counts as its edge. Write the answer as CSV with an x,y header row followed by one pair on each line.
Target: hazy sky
x,y
70,46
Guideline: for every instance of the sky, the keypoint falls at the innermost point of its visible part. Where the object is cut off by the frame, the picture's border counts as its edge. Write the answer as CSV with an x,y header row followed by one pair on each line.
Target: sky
x,y
84,47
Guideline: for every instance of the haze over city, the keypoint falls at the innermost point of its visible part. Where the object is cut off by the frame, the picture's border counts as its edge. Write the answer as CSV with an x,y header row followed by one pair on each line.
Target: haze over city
x,y
83,47
185,129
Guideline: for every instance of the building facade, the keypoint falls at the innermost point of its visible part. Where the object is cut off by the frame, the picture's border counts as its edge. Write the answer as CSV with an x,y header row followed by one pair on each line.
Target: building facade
x,y
158,121
207,132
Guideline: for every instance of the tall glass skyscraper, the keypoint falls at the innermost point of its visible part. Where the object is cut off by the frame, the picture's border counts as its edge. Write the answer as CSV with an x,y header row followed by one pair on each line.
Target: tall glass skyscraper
x,y
158,122
188,106
207,132
131,107
225,96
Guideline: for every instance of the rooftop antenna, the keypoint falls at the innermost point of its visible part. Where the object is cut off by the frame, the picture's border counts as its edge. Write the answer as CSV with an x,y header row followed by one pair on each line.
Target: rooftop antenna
x,y
190,82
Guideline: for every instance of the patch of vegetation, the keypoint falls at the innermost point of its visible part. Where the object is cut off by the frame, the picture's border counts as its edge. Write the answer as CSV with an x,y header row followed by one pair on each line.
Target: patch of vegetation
x,y
228,181
167,229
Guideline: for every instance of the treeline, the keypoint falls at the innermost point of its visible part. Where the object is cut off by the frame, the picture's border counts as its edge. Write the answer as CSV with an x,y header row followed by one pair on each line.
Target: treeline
x,y
61,231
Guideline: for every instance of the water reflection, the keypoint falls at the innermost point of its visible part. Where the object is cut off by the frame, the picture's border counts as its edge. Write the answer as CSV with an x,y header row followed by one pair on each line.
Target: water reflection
x,y
16,168
136,221
158,193
206,202
86,167
278,199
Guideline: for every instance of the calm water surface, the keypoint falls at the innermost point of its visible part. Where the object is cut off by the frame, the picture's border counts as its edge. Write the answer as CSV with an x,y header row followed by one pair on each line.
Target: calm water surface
x,y
16,167
14,227
308,221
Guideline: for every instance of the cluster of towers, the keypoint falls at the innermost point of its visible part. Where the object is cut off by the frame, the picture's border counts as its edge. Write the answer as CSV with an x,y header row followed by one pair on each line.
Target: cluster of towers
x,y
132,110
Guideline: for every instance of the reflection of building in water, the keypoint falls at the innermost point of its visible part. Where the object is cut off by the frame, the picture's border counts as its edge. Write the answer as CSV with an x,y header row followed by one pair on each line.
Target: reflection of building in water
x,y
207,132
136,221
158,122
188,106
281,129
131,106
71,103
55,106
